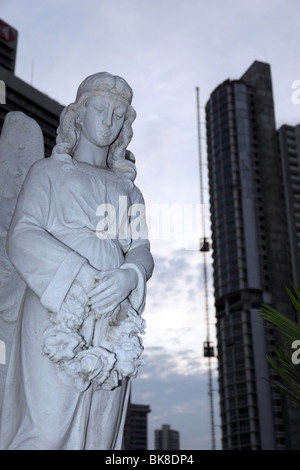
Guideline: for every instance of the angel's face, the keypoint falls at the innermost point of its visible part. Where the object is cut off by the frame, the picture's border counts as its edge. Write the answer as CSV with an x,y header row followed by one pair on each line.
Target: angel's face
x,y
103,119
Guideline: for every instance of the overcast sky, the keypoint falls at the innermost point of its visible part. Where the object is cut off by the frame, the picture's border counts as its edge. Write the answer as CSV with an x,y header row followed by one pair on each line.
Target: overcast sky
x,y
164,49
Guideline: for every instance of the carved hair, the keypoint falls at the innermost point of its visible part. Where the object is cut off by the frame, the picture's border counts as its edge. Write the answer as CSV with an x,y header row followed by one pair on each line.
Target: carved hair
x,y
119,159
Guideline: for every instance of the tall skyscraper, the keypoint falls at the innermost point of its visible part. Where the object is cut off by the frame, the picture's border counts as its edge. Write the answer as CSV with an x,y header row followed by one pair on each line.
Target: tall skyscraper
x,y
251,259
289,141
8,46
166,438
136,427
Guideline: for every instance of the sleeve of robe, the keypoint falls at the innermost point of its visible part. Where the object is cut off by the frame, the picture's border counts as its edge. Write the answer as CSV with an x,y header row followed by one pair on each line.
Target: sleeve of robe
x,y
138,256
46,265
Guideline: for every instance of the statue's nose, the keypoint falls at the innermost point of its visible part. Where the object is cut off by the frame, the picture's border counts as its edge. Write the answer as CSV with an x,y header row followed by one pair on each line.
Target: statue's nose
x,y
107,119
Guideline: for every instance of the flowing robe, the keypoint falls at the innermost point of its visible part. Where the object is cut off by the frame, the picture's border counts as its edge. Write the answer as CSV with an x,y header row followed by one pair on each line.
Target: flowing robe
x,y
51,238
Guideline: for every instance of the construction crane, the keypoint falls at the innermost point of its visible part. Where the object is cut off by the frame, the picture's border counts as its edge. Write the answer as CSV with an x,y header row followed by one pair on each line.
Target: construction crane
x,y
208,349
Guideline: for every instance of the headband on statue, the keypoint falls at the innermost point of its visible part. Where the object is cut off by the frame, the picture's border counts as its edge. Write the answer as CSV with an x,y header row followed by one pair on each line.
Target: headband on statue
x,y
105,84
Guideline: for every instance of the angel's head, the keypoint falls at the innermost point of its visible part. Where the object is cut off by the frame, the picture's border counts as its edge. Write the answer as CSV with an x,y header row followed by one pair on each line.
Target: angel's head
x,y
96,88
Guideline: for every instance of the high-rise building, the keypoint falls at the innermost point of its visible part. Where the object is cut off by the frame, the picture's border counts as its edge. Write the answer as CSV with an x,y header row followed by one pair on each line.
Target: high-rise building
x,y
136,427
20,96
166,438
251,259
289,141
8,46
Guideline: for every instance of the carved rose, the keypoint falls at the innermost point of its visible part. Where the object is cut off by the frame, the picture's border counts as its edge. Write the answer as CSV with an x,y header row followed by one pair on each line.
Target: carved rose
x,y
72,312
96,362
60,345
115,359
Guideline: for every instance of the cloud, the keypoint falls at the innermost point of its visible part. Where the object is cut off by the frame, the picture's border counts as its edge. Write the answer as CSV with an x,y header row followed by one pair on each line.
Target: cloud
x,y
176,398
175,309
177,276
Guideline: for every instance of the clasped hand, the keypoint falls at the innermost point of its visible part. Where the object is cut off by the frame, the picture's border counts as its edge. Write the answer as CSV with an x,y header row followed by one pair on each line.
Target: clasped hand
x,y
107,289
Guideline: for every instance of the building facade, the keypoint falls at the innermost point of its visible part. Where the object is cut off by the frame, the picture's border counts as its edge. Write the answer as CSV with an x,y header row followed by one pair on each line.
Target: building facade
x,y
289,142
166,438
136,427
8,46
251,258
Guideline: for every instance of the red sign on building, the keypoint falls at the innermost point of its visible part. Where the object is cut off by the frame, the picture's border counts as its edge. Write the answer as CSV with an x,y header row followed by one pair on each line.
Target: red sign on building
x,y
6,32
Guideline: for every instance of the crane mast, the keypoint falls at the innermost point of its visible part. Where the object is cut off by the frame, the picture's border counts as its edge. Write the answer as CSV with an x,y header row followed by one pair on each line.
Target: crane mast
x,y
204,249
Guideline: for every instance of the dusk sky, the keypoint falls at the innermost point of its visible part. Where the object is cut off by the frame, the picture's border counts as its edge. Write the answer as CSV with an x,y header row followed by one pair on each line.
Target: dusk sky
x,y
165,49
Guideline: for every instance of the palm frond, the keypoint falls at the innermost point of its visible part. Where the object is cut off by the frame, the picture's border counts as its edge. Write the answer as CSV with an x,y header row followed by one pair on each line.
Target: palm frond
x,y
281,359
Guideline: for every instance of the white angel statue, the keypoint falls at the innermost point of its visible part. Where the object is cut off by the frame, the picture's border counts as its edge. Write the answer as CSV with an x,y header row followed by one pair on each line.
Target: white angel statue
x,y
73,273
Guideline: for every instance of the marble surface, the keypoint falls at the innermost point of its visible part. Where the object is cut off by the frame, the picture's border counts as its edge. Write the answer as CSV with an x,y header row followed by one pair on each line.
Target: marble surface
x,y
78,266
